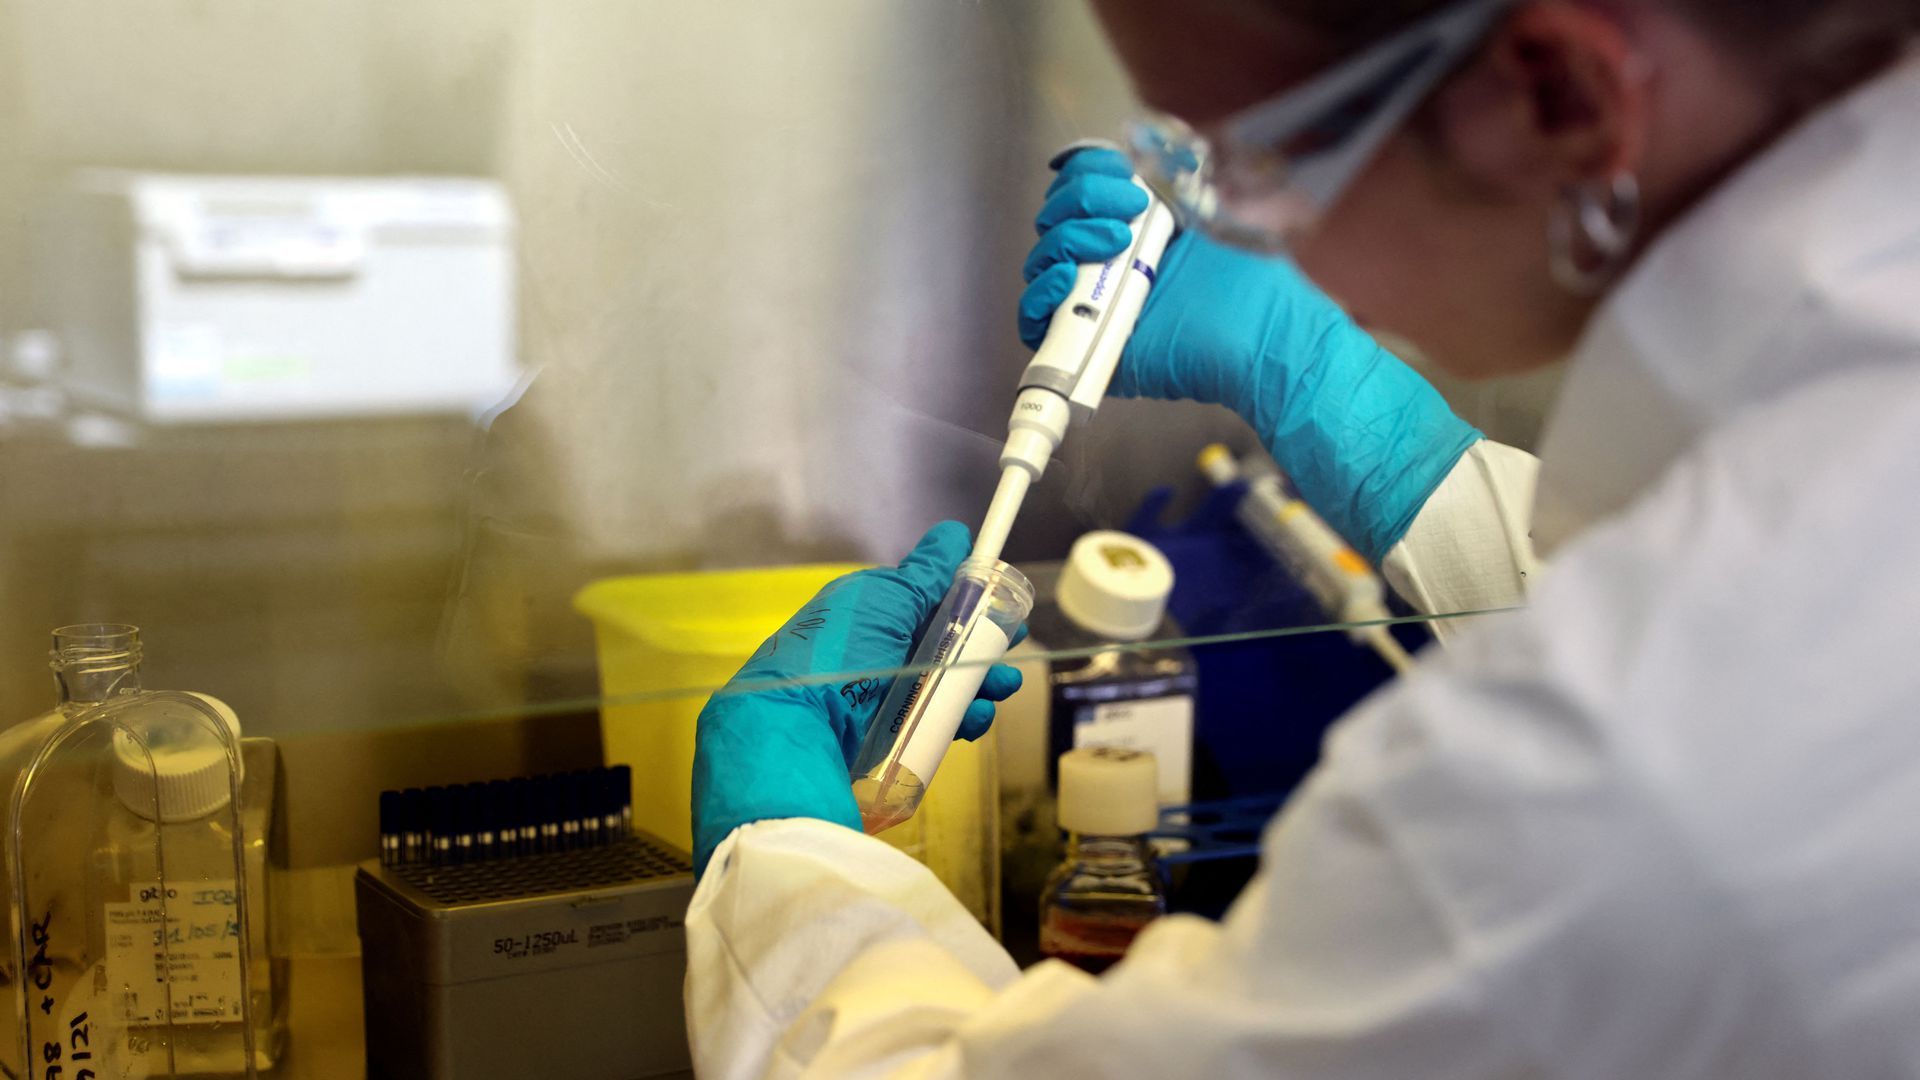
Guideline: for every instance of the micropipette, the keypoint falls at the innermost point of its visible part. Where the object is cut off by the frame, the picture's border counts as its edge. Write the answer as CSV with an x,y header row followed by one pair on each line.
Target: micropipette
x,y
1346,587
1068,376
1064,384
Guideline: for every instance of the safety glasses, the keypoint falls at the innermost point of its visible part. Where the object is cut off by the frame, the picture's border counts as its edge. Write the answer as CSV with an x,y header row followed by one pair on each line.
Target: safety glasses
x,y
1266,174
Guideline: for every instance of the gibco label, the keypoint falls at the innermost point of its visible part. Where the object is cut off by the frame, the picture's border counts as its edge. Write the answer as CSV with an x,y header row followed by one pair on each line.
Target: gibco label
x,y
176,947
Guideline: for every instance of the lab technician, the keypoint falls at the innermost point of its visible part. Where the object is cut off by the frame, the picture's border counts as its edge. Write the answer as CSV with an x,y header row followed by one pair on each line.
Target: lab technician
x,y
1665,822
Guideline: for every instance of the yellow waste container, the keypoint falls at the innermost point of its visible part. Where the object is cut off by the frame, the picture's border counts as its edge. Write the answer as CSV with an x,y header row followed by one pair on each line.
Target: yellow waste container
x,y
667,640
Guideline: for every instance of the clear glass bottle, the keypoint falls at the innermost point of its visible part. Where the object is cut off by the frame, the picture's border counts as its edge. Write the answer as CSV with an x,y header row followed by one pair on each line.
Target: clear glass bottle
x,y
161,893
189,827
1119,690
1108,888
93,663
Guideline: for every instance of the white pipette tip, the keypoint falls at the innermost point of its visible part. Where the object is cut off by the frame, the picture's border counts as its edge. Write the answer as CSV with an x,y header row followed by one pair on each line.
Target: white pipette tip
x,y
992,538
1389,649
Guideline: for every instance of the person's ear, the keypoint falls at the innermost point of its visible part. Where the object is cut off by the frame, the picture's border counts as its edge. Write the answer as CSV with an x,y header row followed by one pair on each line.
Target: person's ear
x,y
1558,96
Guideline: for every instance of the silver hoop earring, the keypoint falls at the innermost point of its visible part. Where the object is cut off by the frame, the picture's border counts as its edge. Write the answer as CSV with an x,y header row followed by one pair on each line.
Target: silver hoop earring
x,y
1591,230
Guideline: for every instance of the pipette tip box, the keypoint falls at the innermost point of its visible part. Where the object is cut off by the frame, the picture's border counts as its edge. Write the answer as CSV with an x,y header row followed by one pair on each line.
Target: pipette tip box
x,y
568,963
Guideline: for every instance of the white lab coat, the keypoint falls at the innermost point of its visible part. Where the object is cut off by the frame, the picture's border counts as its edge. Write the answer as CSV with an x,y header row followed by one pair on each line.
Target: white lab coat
x,y
1664,823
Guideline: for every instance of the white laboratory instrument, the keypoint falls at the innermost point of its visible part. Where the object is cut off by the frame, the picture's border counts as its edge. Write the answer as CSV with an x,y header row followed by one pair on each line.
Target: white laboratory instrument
x,y
1068,376
1346,587
181,299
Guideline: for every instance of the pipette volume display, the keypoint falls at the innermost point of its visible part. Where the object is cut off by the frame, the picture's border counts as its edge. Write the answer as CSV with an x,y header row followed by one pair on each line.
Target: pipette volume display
x,y
922,711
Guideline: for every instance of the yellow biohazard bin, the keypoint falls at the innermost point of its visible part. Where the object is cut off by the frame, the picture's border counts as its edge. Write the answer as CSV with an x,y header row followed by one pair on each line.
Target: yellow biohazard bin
x,y
665,641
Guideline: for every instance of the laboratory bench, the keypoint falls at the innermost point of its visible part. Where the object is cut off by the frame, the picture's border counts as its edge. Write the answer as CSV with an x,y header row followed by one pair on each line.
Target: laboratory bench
x,y
326,1033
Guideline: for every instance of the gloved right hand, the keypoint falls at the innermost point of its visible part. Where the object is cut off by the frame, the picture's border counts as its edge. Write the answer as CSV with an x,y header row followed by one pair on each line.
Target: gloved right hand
x,y
1361,434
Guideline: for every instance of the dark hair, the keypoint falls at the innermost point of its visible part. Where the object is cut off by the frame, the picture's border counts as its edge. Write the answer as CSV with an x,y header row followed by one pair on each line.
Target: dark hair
x,y
1811,50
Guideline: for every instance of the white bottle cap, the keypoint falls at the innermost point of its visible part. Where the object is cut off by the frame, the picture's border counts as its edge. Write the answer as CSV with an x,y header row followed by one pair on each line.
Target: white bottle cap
x,y
1115,586
1109,791
191,775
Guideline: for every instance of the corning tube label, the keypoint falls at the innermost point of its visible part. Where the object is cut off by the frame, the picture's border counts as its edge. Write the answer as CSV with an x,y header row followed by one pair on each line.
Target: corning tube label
x,y
949,635
950,699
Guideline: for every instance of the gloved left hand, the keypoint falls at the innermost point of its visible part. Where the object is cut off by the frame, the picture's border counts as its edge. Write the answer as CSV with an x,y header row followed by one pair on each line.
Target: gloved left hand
x,y
778,740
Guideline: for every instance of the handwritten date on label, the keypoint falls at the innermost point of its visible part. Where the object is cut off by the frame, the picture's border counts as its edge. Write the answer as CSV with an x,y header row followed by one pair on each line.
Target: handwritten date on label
x,y
77,1052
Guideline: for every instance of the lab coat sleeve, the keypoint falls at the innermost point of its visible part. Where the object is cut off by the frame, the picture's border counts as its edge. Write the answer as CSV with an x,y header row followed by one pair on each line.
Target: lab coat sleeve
x,y
1468,886
815,951
805,936
1469,549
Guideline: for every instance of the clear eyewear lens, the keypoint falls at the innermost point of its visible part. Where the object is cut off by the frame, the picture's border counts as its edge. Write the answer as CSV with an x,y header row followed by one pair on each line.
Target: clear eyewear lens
x,y
1237,199
1272,171
1171,159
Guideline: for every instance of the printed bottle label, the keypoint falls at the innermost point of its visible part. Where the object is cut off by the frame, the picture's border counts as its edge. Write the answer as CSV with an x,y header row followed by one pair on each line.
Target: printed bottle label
x,y
180,948
1163,726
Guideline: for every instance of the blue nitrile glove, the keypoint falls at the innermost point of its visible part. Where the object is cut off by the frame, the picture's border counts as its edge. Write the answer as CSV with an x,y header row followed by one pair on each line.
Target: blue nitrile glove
x,y
785,751
1361,434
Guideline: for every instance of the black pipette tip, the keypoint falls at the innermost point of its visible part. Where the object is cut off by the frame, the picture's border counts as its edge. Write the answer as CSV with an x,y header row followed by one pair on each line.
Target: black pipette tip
x,y
390,827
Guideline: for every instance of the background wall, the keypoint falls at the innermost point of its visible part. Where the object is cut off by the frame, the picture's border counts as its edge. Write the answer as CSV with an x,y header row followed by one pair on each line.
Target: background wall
x,y
299,570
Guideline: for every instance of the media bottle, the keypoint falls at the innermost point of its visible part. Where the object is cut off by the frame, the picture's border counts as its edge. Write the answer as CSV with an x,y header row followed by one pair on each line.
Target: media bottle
x,y
1108,887
1107,681
144,833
